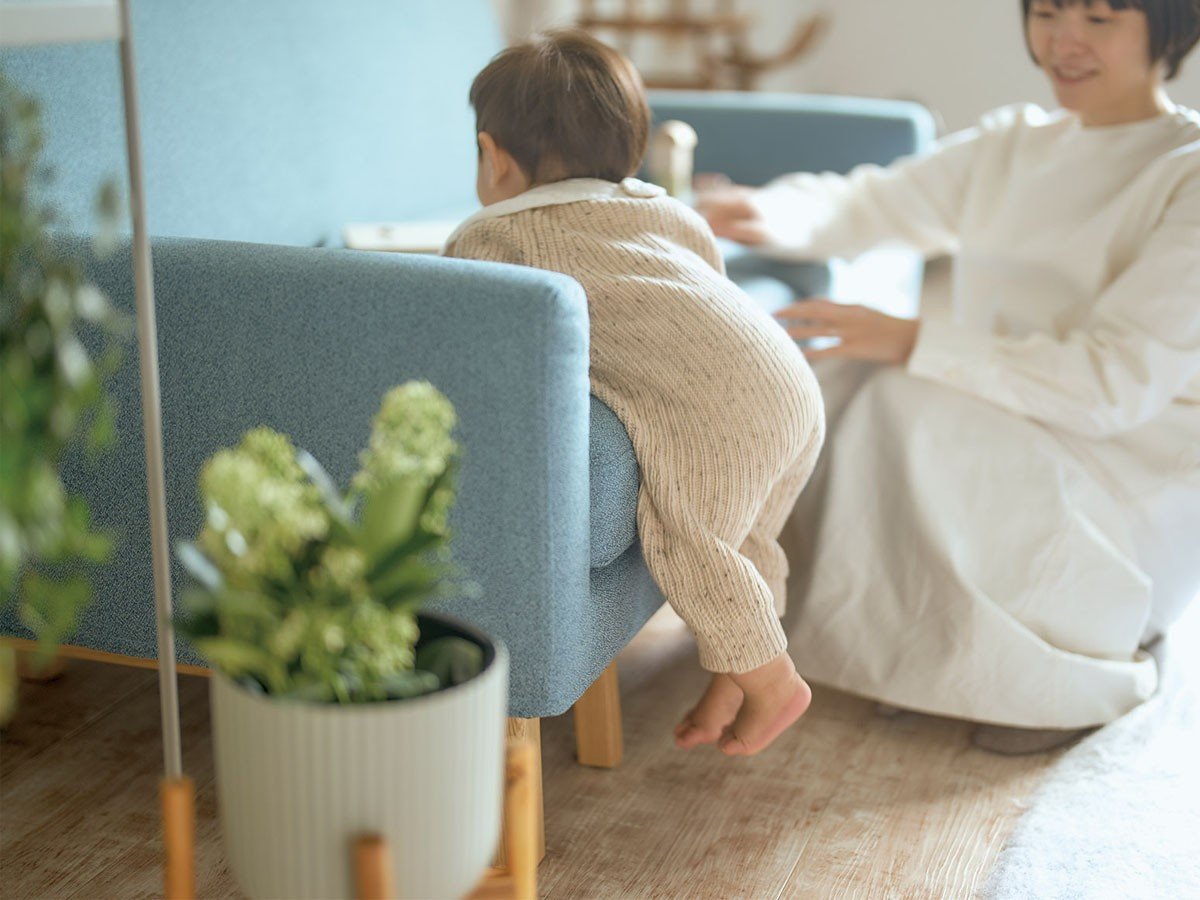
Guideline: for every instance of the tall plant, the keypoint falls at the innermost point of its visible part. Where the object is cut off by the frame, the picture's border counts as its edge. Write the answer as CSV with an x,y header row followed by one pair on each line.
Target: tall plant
x,y
51,393
308,593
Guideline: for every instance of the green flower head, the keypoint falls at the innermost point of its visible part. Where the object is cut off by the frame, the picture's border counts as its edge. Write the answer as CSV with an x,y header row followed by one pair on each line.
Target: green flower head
x,y
301,594
411,434
261,509
341,574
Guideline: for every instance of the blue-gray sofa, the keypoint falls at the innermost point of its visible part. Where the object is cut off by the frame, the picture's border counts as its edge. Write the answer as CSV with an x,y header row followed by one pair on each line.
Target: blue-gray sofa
x,y
267,127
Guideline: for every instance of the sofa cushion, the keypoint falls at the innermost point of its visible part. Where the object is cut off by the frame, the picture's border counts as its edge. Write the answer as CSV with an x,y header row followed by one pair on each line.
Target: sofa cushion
x,y
614,487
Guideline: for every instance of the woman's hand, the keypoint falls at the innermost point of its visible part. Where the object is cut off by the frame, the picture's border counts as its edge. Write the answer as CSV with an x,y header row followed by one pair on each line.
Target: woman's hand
x,y
865,333
728,209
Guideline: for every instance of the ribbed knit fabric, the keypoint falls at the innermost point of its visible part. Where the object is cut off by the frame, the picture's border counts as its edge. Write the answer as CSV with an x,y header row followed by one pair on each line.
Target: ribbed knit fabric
x,y
723,411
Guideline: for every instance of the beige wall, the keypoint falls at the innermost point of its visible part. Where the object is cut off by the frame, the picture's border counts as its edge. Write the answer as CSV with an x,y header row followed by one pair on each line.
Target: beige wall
x,y
961,57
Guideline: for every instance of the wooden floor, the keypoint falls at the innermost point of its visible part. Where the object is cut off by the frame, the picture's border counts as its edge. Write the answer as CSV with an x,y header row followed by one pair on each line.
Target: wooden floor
x,y
847,804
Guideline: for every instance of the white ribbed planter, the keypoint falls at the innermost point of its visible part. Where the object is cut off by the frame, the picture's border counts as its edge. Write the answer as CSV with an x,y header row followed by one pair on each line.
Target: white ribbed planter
x,y
298,782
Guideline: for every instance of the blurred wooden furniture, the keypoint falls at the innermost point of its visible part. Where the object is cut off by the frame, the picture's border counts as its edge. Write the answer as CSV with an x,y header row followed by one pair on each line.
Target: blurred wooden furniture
x,y
718,39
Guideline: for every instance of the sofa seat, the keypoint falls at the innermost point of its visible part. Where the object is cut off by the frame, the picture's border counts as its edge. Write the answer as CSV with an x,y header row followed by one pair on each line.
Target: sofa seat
x,y
613,471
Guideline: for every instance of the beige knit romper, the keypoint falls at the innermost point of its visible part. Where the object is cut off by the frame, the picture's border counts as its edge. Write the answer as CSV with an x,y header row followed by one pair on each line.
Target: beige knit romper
x,y
724,414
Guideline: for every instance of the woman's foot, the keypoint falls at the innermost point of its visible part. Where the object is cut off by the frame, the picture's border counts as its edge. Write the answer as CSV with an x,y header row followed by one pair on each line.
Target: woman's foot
x,y
775,697
705,722
1023,741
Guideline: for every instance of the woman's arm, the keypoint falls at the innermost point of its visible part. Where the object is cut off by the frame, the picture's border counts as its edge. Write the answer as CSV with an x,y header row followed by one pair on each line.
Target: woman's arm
x,y
1138,350
916,201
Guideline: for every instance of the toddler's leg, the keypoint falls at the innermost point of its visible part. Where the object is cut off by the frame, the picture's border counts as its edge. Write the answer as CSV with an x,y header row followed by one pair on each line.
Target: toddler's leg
x,y
715,589
730,609
778,695
761,546
774,694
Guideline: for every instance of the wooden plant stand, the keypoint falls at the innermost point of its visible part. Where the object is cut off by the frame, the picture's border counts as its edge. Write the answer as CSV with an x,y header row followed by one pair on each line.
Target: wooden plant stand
x,y
517,881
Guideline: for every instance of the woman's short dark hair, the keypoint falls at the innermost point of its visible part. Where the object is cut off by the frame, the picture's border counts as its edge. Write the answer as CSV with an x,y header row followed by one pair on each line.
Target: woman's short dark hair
x,y
564,105
1174,26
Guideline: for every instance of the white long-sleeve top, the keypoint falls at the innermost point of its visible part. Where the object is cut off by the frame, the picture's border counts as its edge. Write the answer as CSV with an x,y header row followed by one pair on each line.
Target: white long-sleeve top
x,y
1076,295
996,536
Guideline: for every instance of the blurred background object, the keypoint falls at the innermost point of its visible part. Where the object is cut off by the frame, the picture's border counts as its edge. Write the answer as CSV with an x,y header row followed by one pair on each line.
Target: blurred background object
x,y
958,59
702,44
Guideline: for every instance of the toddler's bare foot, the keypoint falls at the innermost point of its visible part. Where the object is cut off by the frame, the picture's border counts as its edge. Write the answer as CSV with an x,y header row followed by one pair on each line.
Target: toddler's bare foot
x,y
708,718
775,697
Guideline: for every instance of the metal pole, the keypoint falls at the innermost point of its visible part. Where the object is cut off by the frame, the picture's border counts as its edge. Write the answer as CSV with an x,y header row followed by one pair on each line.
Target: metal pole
x,y
168,689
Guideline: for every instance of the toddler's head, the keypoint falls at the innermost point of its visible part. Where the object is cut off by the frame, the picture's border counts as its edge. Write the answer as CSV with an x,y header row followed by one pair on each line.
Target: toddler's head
x,y
560,105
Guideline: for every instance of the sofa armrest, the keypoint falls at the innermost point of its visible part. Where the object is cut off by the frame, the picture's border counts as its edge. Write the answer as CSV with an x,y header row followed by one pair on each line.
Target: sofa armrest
x,y
307,341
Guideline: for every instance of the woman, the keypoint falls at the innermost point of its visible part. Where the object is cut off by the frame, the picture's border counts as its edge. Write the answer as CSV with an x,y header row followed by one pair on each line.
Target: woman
x,y
1009,504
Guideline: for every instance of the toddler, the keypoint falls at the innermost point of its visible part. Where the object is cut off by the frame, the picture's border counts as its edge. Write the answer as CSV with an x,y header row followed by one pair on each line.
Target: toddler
x,y
724,414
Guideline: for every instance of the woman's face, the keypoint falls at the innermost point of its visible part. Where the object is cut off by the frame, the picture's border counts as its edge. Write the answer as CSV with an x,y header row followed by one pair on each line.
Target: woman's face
x,y
1097,59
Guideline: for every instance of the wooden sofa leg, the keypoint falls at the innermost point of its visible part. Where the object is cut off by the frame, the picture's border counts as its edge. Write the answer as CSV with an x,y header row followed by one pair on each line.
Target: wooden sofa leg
x,y
598,738
530,730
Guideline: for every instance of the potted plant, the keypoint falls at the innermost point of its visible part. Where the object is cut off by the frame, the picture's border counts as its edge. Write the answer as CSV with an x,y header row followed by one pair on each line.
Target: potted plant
x,y
339,708
52,398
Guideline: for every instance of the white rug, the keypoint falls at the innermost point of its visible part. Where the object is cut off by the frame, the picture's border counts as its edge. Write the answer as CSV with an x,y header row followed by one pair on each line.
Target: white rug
x,y
1119,814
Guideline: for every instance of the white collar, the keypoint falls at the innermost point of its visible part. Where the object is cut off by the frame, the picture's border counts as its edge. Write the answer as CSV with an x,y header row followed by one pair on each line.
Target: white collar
x,y
572,190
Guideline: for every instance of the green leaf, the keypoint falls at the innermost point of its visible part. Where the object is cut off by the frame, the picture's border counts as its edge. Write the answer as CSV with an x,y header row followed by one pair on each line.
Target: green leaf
x,y
391,513
51,607
403,685
408,583
238,658
399,554
335,503
247,604
198,566
311,692
103,431
200,615
452,659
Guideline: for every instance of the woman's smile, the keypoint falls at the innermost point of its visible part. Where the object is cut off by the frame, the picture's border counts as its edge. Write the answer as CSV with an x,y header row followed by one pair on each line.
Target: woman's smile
x,y
1072,76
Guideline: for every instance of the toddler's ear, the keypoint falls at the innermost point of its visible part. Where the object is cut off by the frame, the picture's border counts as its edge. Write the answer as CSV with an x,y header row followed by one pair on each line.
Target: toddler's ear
x,y
490,154
500,176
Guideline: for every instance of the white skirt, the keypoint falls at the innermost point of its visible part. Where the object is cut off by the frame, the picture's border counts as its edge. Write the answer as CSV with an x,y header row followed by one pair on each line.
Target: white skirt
x,y
953,558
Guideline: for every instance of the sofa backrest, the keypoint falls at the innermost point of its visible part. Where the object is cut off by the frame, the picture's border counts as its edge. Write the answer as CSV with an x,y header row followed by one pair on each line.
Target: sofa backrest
x,y
754,137
274,121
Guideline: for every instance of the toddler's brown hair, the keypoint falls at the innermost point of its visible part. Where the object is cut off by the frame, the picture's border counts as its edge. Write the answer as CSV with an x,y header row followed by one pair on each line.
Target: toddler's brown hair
x,y
564,105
